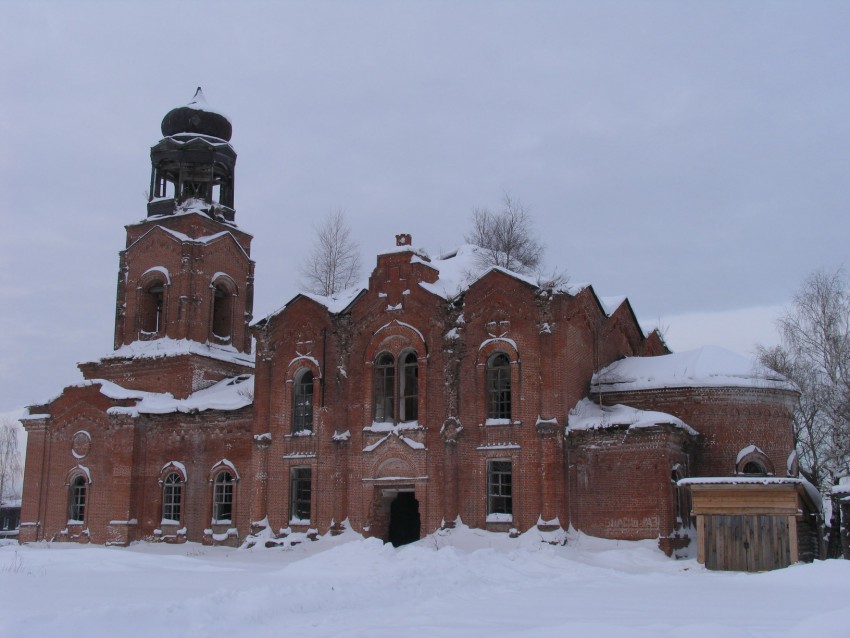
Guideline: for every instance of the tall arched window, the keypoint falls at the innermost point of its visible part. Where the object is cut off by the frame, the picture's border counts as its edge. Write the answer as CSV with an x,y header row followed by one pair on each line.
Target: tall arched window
x,y
384,388
77,500
302,401
409,390
172,497
498,386
152,307
223,497
222,312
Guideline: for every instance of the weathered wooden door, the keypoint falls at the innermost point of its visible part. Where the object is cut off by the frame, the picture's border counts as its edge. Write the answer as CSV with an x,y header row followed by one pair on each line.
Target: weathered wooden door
x,y
746,542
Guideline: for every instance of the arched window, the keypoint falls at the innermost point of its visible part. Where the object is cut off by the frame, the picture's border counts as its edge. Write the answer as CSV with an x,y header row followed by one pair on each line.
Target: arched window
x,y
409,390
384,388
172,497
498,386
754,467
77,500
222,312
152,307
223,497
302,401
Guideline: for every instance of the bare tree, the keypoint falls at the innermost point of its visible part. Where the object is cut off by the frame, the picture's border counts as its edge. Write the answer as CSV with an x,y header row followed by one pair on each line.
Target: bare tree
x,y
815,354
334,261
507,237
10,460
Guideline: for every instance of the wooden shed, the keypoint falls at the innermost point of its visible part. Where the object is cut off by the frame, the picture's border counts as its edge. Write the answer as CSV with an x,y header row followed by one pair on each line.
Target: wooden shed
x,y
754,523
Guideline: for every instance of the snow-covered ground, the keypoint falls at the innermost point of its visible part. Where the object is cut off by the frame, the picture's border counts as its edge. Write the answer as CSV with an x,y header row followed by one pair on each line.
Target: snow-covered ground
x,y
455,583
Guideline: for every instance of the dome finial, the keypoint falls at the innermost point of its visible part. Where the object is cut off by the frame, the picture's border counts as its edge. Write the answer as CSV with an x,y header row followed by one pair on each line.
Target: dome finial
x,y
199,97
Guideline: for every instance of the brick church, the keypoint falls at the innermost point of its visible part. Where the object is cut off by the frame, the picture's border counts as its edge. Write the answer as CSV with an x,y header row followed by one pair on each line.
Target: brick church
x,y
440,391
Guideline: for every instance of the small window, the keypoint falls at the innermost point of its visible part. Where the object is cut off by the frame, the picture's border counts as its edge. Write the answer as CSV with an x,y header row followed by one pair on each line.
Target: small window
x,y
499,386
301,490
499,492
409,391
77,504
172,497
754,467
302,401
384,388
223,497
152,308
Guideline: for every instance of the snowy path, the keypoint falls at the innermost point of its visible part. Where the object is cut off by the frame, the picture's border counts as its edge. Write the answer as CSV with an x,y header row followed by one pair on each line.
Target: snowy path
x,y
475,584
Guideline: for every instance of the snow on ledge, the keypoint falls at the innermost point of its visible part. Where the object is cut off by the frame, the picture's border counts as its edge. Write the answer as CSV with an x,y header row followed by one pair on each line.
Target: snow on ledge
x,y
588,415
709,366
167,347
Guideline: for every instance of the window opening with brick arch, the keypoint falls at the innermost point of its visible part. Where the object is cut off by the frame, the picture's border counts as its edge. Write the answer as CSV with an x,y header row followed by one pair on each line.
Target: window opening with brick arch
x,y
172,498
498,386
753,462
151,311
754,468
222,318
391,384
223,497
384,388
301,489
77,500
409,387
302,401
499,490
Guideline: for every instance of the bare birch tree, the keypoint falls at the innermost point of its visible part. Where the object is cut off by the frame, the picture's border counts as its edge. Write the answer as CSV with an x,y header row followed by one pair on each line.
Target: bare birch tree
x,y
507,237
334,261
10,460
815,354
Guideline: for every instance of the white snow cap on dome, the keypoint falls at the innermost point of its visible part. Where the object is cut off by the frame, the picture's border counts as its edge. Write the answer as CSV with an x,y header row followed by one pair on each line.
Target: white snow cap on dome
x,y
709,366
199,103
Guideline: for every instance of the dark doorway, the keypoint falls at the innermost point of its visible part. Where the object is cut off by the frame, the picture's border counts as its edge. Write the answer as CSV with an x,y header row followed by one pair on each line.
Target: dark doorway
x,y
404,519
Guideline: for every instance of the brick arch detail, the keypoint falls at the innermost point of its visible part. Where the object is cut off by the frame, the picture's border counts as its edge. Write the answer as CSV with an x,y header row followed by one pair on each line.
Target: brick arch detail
x,y
229,283
74,472
395,337
171,467
758,456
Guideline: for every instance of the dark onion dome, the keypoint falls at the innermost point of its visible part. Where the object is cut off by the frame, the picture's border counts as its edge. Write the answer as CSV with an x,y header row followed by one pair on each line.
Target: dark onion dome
x,y
197,117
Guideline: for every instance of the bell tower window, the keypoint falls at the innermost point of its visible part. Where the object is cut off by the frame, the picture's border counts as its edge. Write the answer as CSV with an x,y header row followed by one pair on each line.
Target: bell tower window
x,y
152,308
222,313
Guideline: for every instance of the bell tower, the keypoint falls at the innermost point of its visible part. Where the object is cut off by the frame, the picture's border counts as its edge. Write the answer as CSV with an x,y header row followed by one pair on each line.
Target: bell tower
x,y
186,278
193,162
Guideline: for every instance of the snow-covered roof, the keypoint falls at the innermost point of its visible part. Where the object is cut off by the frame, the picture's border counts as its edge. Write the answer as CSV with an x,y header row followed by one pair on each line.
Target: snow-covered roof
x,y
338,302
710,366
167,347
229,394
459,269
810,489
587,415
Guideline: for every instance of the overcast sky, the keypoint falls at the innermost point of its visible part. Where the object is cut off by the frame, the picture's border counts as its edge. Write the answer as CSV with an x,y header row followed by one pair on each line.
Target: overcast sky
x,y
690,155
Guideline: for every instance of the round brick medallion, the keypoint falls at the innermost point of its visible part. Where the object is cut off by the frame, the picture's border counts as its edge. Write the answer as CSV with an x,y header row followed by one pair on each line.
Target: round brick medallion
x,y
80,444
